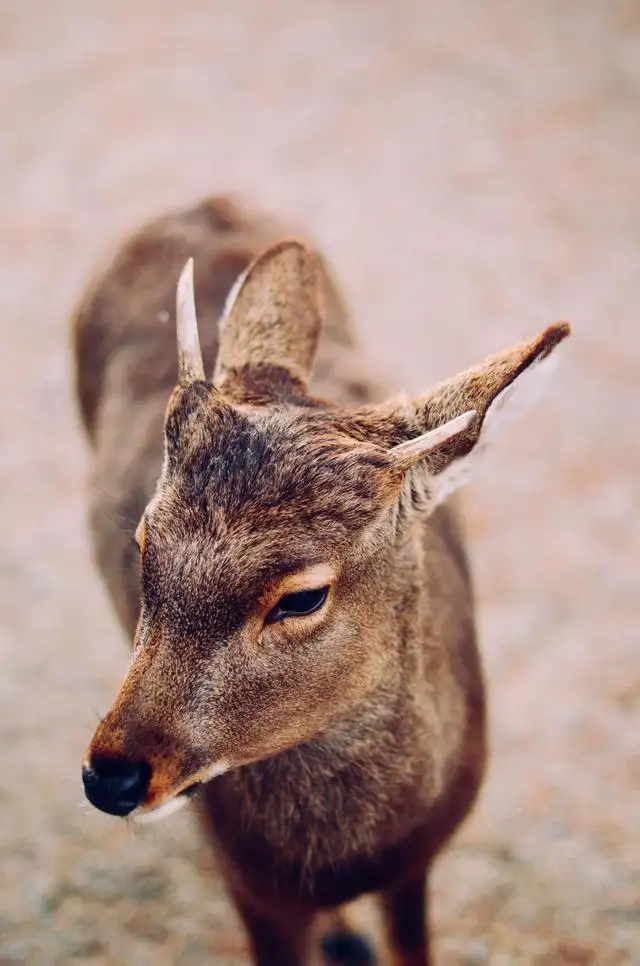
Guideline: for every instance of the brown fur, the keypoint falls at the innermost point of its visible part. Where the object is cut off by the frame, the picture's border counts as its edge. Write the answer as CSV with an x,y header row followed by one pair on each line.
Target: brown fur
x,y
355,736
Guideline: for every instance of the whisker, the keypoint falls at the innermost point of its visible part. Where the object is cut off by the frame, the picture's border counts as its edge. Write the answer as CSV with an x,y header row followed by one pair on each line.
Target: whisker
x,y
117,515
99,716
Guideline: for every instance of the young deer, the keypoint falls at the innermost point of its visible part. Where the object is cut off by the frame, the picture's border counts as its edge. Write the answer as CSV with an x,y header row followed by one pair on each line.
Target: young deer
x,y
299,598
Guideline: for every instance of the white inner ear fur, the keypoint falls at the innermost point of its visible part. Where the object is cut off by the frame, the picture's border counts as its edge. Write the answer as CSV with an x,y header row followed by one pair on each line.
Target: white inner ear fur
x,y
226,312
234,291
518,395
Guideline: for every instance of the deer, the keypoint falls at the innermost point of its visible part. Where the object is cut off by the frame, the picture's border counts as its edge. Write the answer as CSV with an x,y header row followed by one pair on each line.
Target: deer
x,y
280,538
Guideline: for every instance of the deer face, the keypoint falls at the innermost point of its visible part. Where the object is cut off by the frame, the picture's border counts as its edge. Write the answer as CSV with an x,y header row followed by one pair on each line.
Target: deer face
x,y
253,633
264,615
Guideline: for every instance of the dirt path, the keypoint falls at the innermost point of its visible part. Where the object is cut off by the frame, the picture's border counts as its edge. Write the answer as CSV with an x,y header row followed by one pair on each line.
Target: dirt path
x,y
472,170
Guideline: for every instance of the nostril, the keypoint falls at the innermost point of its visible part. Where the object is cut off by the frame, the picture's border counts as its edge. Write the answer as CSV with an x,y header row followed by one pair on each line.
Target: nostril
x,y
116,785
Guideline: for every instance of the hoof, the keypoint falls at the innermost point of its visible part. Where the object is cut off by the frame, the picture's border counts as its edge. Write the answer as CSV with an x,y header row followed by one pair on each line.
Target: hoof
x,y
346,949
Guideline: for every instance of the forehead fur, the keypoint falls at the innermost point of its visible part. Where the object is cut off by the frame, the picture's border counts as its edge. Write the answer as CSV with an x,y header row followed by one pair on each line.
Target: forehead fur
x,y
260,490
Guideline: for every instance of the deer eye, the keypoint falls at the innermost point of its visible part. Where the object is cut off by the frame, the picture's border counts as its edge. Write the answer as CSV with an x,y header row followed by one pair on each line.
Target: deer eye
x,y
298,605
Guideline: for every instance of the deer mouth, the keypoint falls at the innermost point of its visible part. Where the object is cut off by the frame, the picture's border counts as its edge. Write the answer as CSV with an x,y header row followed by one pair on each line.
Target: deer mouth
x,y
147,815
167,808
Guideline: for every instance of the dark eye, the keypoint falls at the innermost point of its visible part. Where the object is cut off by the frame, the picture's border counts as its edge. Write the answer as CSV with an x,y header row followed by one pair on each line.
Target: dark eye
x,y
298,605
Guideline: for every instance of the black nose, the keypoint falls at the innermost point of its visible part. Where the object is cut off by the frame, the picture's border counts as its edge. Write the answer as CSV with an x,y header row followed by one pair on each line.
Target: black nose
x,y
115,785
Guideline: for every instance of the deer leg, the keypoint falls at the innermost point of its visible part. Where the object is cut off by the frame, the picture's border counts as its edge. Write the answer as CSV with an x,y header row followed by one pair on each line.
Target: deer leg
x,y
406,920
275,939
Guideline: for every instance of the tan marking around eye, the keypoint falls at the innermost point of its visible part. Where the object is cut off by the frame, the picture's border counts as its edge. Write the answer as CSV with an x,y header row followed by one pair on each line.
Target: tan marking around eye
x,y
311,578
141,535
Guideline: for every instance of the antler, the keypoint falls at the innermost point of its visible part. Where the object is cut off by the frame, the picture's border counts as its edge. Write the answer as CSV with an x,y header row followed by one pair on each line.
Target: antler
x,y
190,365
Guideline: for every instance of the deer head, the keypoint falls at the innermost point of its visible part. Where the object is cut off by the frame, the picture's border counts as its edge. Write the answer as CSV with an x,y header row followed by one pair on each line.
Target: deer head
x,y
269,547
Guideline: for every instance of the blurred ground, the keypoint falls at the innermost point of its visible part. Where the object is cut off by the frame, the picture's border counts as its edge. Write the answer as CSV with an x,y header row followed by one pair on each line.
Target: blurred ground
x,y
472,171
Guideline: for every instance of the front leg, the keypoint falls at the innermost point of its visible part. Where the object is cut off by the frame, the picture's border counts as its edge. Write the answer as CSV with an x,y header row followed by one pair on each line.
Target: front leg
x,y
280,937
406,919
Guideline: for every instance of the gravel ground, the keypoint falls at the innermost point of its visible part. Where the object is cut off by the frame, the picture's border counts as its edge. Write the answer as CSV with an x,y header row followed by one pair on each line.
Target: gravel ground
x,y
472,171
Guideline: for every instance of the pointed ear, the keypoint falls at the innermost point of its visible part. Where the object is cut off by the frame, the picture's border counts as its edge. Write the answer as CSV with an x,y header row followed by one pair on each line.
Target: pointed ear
x,y
273,315
459,418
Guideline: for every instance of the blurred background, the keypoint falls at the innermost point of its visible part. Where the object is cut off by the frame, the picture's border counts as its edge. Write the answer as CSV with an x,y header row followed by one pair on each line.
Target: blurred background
x,y
471,170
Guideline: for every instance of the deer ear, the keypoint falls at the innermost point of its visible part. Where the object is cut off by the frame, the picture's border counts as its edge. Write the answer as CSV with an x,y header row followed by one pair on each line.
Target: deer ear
x,y
273,315
461,416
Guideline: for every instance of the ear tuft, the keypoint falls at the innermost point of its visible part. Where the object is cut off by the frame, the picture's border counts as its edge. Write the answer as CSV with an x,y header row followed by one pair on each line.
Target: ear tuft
x,y
552,336
273,314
